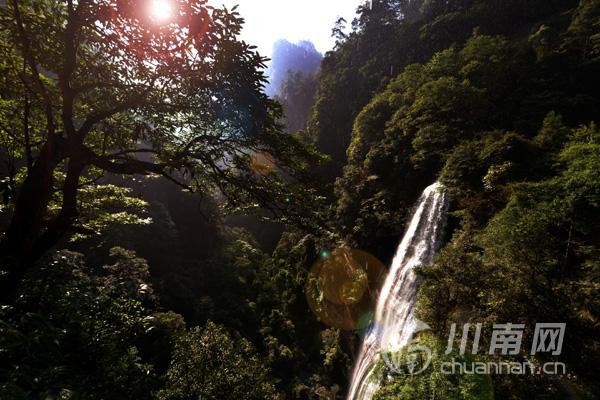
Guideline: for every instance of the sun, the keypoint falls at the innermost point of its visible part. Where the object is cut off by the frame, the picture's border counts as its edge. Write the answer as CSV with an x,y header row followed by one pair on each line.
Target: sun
x,y
161,9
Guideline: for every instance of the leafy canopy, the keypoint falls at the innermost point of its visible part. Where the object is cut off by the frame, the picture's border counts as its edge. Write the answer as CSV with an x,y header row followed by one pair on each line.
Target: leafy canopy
x,y
97,86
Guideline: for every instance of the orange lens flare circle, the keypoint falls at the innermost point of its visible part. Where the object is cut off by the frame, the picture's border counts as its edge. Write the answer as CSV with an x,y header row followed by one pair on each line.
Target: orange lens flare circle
x,y
342,288
262,162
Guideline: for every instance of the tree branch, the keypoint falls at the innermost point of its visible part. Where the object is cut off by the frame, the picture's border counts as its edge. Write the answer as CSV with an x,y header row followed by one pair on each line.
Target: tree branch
x,y
131,151
28,57
129,166
98,117
68,68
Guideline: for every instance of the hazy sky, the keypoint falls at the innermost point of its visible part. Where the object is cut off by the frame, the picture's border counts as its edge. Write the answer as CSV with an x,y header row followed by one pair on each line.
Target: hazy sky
x,y
269,20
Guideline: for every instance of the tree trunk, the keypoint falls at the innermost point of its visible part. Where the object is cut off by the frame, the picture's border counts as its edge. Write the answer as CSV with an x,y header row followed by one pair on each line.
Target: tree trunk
x,y
68,213
17,246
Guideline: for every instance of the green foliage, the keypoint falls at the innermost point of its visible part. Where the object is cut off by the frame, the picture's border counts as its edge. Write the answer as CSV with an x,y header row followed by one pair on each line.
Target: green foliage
x,y
100,88
95,332
489,109
482,95
582,38
488,93
432,383
393,34
209,364
405,134
297,96
79,335
295,341
535,259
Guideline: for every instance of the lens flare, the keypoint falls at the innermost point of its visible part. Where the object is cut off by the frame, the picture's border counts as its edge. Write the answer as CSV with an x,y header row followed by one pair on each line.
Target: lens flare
x,y
161,10
262,162
342,287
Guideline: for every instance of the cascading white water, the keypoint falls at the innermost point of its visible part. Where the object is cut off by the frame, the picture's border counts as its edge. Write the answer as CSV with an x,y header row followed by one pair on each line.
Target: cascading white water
x,y
394,323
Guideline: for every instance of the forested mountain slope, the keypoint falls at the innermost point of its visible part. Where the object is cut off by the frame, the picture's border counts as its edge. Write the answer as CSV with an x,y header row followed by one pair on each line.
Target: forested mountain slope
x,y
499,100
131,287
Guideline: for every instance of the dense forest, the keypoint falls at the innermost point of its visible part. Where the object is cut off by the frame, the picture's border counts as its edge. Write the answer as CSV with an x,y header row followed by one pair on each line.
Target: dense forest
x,y
130,151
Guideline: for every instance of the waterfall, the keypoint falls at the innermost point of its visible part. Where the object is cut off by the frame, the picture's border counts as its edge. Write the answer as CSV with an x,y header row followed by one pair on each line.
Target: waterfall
x,y
394,323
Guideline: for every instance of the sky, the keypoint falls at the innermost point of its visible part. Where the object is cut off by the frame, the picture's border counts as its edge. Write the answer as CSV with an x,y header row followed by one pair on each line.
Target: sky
x,y
294,20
